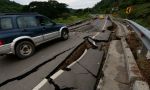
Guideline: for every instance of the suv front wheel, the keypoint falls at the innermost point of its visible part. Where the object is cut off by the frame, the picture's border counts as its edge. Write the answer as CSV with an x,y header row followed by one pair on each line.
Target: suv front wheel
x,y
25,49
64,35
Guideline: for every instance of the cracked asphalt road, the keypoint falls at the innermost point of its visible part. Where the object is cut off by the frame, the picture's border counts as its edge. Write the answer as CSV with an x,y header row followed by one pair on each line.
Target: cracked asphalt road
x,y
11,67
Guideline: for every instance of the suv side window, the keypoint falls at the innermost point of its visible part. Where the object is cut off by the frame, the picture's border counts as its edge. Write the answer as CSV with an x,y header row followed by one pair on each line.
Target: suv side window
x,y
27,22
6,23
44,21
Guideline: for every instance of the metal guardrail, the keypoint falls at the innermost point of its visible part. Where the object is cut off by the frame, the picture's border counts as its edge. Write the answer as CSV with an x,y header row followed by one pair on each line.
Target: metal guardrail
x,y
142,32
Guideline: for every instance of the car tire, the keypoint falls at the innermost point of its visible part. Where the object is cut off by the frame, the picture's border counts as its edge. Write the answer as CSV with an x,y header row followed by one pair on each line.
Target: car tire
x,y
24,49
64,35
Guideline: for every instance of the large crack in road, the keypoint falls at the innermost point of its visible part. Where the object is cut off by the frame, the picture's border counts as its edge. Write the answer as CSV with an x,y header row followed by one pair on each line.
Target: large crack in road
x,y
33,70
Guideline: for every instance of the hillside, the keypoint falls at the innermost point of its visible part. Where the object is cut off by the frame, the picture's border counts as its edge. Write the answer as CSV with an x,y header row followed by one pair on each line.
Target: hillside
x,y
139,13
9,6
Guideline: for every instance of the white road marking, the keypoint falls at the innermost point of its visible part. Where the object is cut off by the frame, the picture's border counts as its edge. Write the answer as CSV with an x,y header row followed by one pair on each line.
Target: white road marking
x,y
57,74
40,85
104,24
44,81
96,35
102,28
78,59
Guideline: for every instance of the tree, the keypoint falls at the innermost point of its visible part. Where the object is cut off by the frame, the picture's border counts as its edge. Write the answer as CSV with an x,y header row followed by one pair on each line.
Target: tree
x,y
9,6
52,8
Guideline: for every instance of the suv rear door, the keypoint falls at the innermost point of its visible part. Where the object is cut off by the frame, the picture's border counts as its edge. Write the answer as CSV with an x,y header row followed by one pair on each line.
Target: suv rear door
x,y
30,27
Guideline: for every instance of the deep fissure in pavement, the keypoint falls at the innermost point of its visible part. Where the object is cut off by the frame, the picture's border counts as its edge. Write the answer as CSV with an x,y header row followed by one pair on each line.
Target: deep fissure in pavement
x,y
73,56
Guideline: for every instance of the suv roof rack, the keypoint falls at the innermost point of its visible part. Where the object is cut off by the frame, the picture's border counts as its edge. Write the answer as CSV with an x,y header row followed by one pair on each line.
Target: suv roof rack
x,y
19,13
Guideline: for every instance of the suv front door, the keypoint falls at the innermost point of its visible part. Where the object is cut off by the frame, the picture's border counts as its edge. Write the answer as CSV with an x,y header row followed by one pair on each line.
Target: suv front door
x,y
48,27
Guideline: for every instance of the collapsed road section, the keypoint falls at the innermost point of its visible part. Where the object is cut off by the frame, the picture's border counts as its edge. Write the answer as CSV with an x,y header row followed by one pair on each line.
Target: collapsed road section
x,y
77,73
82,69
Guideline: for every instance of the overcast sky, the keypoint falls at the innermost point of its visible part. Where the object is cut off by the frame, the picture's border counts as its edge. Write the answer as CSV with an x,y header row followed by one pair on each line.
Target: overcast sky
x,y
76,4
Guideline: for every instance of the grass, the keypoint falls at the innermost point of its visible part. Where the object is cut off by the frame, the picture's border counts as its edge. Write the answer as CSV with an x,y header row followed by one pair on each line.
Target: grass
x,y
71,19
143,23
140,14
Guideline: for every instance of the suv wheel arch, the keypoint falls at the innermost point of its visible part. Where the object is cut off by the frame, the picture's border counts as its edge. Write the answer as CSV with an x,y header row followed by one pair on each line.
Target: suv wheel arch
x,y
63,28
19,39
65,34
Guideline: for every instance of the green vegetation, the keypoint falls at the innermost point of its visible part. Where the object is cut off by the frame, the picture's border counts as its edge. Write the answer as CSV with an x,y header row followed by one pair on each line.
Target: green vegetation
x,y
140,12
71,19
52,9
9,6
74,16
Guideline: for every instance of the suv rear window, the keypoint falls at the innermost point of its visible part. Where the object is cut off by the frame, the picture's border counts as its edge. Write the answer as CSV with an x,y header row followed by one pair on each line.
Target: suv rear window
x,y
26,22
6,23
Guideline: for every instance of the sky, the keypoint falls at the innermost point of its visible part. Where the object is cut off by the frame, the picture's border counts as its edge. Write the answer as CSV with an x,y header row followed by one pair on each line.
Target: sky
x,y
75,4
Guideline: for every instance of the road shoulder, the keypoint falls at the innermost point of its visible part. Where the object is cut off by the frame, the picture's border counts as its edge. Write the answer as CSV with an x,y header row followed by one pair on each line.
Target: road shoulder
x,y
115,73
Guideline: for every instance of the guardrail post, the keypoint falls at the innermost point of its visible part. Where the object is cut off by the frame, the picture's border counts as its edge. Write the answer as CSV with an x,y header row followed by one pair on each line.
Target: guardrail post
x,y
142,52
148,55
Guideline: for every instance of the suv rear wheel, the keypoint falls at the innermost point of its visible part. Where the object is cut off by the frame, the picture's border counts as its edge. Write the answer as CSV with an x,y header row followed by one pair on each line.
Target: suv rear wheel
x,y
25,49
64,35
